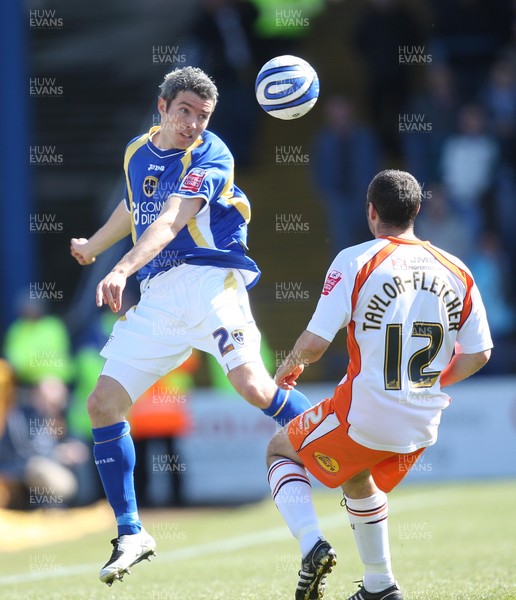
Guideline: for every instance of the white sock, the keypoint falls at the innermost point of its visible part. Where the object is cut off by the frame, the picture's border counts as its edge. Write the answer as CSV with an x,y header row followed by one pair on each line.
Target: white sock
x,y
368,519
292,493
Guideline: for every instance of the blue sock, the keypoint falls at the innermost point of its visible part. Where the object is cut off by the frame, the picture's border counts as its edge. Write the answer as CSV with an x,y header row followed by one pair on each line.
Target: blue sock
x,y
286,405
115,458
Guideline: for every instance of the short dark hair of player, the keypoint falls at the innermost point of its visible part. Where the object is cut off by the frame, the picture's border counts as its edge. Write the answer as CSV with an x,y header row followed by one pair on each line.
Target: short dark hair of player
x,y
396,196
188,79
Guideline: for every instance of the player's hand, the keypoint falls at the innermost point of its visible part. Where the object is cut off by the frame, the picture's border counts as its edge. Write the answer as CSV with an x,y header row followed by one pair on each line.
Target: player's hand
x,y
79,250
287,374
111,289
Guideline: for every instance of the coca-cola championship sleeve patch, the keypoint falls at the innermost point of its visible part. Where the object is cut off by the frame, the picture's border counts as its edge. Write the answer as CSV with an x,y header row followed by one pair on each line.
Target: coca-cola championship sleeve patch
x,y
332,279
193,181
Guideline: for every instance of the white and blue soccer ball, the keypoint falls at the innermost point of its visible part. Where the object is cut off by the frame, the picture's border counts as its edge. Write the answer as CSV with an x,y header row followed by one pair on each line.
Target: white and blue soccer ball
x,y
287,87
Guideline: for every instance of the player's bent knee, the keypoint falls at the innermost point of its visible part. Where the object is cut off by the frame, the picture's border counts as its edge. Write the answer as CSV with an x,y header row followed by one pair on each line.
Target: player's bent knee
x,y
96,405
280,447
273,452
107,404
361,485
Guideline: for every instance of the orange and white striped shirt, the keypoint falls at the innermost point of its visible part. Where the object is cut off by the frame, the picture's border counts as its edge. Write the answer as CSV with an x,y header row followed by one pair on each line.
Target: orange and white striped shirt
x,y
407,306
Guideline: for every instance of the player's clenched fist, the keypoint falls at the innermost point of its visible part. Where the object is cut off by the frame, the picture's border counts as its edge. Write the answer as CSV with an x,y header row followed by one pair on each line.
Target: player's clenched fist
x,y
80,251
110,290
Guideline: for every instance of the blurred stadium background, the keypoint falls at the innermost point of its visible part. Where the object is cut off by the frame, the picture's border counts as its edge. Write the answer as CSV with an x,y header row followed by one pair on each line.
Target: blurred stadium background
x,y
424,85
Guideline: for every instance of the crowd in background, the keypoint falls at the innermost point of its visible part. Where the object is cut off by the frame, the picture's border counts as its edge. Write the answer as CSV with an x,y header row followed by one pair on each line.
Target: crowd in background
x,y
453,126
439,101
45,433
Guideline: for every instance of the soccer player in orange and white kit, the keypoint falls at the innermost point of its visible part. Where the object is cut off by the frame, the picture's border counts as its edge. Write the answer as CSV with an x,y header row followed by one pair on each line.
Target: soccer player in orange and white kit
x,y
415,323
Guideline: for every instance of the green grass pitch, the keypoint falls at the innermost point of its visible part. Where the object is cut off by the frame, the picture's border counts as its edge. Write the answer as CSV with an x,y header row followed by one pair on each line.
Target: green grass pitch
x,y
448,541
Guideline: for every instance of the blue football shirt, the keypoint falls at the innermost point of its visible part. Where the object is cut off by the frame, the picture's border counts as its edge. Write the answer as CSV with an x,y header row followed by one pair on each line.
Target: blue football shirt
x,y
217,235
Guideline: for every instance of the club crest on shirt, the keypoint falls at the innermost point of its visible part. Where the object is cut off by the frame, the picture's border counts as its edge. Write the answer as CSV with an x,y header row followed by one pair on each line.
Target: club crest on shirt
x,y
150,183
193,181
238,336
331,281
327,462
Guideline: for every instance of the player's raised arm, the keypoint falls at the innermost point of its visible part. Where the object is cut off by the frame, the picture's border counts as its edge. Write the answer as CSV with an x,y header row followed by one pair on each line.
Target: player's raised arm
x,y
308,349
174,216
116,227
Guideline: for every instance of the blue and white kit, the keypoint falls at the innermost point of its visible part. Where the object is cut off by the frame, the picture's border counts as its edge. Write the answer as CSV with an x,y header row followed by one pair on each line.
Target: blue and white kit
x,y
194,292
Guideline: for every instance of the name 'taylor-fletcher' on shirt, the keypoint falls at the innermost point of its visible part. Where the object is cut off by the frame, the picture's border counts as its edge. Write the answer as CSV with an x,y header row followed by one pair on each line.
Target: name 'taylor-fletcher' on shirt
x,y
416,280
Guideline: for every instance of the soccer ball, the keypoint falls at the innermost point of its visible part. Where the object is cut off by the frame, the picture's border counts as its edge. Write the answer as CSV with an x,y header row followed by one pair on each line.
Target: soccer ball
x,y
287,87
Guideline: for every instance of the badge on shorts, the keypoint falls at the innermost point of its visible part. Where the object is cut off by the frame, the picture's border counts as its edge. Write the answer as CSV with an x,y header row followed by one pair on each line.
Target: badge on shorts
x,y
327,463
238,336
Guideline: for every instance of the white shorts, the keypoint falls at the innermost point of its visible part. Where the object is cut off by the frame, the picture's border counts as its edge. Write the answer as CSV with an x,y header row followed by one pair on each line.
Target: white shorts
x,y
187,307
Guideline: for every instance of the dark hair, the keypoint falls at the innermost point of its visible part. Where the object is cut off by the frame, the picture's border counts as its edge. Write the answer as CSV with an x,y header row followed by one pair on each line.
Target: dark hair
x,y
190,79
396,196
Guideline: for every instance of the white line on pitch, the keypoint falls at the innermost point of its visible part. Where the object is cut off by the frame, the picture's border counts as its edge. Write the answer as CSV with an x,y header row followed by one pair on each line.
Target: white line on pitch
x,y
228,545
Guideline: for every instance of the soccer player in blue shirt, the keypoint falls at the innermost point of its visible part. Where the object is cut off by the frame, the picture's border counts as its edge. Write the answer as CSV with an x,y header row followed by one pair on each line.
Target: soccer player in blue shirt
x,y
188,222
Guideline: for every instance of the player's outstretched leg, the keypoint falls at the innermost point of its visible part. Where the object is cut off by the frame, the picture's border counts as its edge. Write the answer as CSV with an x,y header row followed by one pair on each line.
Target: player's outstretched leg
x,y
128,550
254,384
